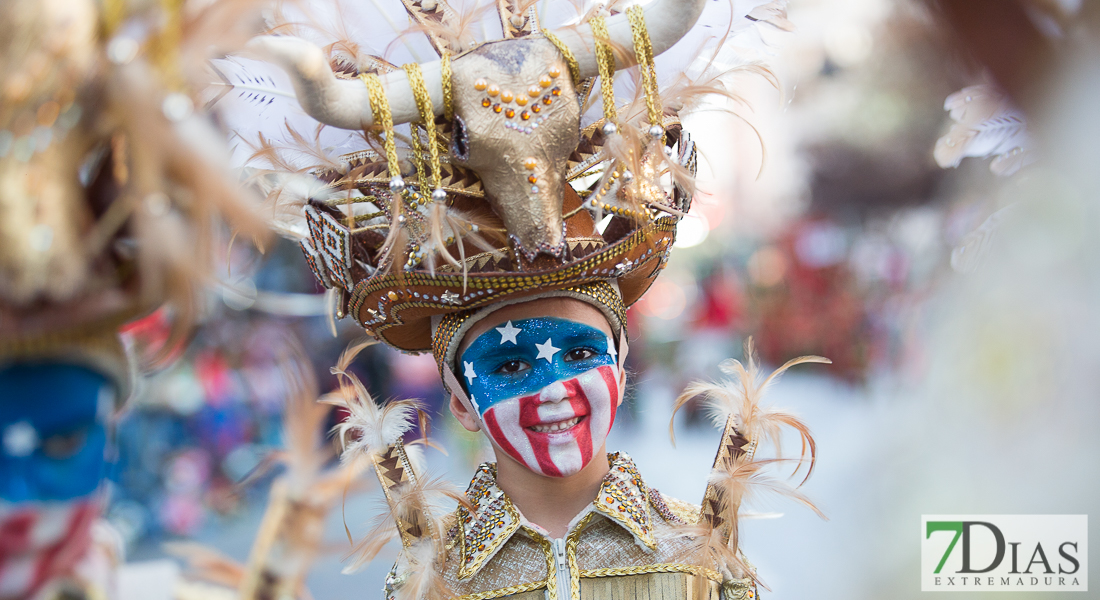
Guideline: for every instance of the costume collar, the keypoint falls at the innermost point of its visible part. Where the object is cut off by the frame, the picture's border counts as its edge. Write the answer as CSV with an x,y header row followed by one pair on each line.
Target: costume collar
x,y
623,498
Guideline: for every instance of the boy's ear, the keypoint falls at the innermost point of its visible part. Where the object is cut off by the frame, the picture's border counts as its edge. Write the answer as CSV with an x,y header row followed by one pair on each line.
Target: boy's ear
x,y
458,409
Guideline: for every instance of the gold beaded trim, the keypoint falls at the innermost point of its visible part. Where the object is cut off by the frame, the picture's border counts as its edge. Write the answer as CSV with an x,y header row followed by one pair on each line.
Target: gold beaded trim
x,y
567,54
605,60
643,51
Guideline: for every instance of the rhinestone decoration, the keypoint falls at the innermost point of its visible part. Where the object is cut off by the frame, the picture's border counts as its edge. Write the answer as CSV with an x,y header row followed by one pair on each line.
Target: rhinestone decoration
x,y
334,247
624,498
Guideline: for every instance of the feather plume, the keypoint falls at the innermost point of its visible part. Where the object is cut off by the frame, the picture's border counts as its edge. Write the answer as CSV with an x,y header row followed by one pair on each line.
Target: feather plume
x,y
738,476
206,564
985,124
370,429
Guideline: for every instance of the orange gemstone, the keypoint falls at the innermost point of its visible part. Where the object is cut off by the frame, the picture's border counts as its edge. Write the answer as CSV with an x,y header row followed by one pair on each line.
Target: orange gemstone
x,y
486,102
525,115
545,81
556,91
535,108
497,108
494,90
510,113
506,96
555,71
481,84
547,99
521,100
530,163
534,91
532,179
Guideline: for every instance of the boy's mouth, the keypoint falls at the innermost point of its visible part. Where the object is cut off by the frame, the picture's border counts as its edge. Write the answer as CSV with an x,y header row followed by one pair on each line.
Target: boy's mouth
x,y
557,426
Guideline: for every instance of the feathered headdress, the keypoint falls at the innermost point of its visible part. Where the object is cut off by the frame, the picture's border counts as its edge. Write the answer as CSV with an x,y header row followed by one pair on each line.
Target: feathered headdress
x,y
501,162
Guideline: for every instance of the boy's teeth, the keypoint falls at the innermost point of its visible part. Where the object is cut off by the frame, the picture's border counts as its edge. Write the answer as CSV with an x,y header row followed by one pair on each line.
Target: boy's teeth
x,y
559,426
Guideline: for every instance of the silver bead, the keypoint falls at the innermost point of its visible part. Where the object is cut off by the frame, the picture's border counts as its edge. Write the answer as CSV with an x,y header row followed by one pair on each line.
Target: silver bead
x,y
668,151
534,189
609,129
438,195
627,176
401,219
656,131
397,185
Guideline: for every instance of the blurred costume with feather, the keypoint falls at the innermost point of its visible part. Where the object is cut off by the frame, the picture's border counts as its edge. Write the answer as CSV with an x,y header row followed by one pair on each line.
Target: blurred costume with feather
x,y
110,186
499,168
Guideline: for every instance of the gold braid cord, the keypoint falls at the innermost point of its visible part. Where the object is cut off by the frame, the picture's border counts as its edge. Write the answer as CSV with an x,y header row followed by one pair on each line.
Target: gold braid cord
x,y
427,117
380,109
605,59
646,569
448,92
567,54
643,51
508,591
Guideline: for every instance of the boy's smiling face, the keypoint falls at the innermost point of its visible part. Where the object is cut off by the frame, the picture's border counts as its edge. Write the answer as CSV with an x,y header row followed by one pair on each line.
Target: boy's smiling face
x,y
545,380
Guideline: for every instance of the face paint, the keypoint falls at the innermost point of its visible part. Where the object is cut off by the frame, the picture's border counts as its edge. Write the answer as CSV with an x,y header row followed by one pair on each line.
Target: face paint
x,y
52,445
547,390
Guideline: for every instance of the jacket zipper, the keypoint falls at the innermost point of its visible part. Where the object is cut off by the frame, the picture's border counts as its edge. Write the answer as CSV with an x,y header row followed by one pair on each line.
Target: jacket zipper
x,y
561,568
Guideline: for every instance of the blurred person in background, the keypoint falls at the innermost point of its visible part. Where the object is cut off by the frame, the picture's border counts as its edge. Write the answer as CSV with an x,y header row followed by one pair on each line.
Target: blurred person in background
x,y
110,183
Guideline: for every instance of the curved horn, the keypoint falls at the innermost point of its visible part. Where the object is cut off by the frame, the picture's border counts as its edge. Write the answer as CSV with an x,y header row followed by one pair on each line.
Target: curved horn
x,y
666,20
343,103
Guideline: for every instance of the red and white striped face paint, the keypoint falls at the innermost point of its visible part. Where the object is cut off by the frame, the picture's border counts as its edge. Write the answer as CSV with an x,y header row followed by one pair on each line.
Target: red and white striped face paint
x,y
556,431
41,542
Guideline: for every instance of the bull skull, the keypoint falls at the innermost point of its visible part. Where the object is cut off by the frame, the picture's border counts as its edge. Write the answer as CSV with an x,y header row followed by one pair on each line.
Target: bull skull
x,y
521,161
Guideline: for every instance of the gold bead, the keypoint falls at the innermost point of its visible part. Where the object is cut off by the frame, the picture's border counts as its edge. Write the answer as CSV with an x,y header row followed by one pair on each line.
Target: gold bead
x,y
493,90
530,163
521,100
545,81
481,84
506,96
534,91
555,71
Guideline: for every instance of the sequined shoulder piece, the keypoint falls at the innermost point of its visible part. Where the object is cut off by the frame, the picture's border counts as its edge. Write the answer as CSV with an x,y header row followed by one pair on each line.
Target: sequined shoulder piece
x,y
623,498
484,532
673,510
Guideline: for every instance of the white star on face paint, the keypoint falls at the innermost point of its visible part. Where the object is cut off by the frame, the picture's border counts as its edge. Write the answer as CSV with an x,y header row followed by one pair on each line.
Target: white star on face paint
x,y
508,333
611,348
469,374
547,351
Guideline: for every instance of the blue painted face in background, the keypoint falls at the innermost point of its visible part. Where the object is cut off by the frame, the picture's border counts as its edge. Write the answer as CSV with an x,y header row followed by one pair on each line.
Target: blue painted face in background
x,y
52,431
522,357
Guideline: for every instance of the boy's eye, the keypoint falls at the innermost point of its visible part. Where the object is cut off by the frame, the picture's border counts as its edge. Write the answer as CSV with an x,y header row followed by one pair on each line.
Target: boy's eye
x,y
512,367
579,354
64,445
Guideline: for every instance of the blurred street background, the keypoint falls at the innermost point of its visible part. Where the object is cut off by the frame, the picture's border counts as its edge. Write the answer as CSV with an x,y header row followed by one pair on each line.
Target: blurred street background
x,y
963,376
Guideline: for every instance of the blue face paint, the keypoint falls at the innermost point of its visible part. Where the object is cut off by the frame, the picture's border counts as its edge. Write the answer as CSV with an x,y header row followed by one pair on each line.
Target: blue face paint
x,y
52,432
522,357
